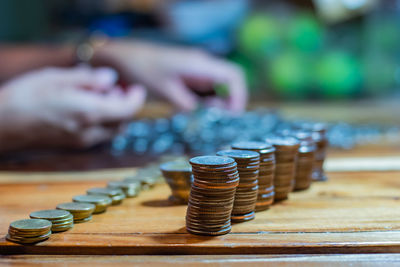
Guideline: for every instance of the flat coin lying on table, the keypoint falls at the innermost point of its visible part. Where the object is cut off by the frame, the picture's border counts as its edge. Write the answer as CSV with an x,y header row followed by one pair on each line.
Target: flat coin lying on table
x,y
61,220
117,195
29,231
102,202
82,212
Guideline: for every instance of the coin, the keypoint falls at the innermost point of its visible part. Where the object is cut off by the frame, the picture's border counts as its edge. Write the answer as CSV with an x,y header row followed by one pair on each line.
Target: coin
x,y
101,201
211,161
117,195
212,193
130,189
61,220
266,165
29,231
80,211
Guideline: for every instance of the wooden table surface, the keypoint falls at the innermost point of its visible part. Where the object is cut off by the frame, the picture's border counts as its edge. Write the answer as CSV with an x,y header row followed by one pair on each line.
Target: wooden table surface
x,y
353,212
352,219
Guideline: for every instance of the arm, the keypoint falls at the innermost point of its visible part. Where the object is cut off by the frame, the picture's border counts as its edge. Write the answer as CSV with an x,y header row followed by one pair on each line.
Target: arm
x,y
18,59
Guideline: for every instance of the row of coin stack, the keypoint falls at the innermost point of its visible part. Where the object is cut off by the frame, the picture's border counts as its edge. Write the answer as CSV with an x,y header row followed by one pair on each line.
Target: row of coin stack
x,y
43,223
251,177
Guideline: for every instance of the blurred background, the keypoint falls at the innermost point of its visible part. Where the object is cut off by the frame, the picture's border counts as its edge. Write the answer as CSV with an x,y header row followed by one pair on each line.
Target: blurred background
x,y
298,49
298,55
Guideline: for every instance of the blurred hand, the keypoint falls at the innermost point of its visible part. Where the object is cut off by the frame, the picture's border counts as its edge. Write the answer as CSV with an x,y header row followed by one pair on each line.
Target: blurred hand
x,y
178,74
76,107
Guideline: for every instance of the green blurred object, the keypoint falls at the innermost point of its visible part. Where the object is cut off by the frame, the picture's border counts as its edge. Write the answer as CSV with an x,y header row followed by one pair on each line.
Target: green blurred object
x,y
289,74
221,90
305,33
379,74
338,74
249,69
259,36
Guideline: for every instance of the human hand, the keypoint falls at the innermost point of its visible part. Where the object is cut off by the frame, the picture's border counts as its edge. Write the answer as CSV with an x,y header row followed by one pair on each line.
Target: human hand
x,y
178,74
76,107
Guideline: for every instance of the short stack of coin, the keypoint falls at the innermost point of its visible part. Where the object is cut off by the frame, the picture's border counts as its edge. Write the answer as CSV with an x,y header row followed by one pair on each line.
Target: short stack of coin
x,y
117,195
248,164
318,131
61,220
101,202
130,188
178,175
212,195
266,193
82,212
305,160
29,231
286,150
148,177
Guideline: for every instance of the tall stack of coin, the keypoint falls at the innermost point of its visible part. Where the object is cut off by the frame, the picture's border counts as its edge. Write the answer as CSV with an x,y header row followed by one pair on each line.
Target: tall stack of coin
x,y
266,193
248,164
29,231
101,202
212,195
117,195
318,131
286,157
305,160
61,220
178,175
130,188
82,212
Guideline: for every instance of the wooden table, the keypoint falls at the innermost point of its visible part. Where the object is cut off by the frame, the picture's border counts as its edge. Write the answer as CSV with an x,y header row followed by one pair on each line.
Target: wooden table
x,y
354,213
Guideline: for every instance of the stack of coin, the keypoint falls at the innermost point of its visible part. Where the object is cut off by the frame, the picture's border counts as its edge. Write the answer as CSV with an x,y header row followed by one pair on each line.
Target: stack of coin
x,y
116,195
286,150
318,131
29,231
148,177
266,193
305,160
248,164
101,202
130,188
178,175
82,212
61,220
212,195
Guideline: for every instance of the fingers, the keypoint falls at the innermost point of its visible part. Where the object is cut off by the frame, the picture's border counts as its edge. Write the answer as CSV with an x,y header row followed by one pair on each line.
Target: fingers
x,y
116,106
177,93
98,79
220,71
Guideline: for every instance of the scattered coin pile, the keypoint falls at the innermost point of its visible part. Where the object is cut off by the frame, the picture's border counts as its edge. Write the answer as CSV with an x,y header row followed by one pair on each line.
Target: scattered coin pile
x,y
45,222
29,231
266,186
286,150
82,212
61,220
248,163
178,175
212,195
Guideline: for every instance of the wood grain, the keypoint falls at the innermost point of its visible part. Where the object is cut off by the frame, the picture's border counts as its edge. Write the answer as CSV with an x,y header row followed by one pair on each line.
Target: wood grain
x,y
351,213
290,260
